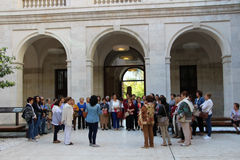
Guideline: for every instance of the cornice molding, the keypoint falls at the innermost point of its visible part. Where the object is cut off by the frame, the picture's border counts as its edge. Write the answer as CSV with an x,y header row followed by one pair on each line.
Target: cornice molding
x,y
71,15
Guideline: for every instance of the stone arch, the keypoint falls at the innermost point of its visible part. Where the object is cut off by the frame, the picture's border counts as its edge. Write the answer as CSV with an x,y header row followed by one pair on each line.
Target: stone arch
x,y
20,50
91,49
214,33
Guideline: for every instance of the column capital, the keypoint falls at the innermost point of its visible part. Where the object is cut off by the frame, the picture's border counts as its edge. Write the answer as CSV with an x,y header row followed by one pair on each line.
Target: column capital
x,y
147,60
226,59
68,63
89,63
18,63
167,60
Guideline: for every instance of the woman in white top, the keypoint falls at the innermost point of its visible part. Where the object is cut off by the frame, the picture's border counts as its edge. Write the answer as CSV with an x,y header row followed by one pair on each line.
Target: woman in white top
x,y
207,108
115,106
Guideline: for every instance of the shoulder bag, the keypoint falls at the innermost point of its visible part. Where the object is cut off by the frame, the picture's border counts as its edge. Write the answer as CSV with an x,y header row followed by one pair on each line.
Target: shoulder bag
x,y
76,114
163,121
126,113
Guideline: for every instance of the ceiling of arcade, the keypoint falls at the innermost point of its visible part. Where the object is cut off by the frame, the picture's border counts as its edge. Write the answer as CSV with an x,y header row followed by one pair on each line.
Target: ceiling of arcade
x,y
38,50
106,43
196,41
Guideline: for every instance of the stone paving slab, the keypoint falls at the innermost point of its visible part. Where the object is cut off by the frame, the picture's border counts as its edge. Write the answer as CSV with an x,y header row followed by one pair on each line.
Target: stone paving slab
x,y
123,145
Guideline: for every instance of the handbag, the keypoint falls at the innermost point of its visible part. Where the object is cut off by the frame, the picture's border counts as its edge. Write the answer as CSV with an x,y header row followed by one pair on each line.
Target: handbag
x,y
120,114
76,114
203,115
196,112
182,119
163,121
84,114
105,113
126,113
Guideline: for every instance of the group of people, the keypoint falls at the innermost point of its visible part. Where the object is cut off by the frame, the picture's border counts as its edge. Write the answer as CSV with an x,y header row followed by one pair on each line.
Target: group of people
x,y
151,113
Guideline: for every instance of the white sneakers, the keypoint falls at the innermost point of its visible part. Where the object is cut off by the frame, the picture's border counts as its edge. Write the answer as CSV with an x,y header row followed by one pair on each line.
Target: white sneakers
x,y
206,137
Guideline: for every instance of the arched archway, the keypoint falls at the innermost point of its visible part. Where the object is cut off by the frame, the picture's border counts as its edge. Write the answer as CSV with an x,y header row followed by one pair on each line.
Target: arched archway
x,y
203,54
44,62
98,51
116,65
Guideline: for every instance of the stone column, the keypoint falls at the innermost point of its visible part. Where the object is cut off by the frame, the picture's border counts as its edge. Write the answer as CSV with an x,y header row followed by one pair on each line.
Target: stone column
x,y
168,78
17,90
69,78
89,77
227,85
147,75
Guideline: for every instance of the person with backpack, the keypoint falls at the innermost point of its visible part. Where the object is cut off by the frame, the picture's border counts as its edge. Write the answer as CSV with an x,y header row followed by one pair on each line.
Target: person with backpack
x,y
30,117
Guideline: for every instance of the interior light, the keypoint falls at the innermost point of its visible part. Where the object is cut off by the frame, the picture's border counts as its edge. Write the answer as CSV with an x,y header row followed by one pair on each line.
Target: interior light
x,y
121,49
126,58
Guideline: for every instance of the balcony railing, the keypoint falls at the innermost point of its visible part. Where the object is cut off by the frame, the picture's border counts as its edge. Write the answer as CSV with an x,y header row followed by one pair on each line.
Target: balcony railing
x,y
43,3
115,1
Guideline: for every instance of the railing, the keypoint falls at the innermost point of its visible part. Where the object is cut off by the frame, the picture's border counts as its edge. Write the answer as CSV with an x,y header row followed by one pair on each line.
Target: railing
x,y
115,1
43,3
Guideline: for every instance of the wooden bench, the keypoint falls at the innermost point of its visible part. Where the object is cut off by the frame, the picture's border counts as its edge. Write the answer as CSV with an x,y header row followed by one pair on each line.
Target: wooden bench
x,y
219,122
17,127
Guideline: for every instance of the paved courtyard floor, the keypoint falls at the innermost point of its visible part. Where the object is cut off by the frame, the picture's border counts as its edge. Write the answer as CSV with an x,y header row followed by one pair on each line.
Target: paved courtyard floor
x,y
122,145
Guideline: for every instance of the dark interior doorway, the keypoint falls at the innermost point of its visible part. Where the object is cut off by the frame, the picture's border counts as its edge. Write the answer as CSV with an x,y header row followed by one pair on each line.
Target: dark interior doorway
x,y
188,79
60,83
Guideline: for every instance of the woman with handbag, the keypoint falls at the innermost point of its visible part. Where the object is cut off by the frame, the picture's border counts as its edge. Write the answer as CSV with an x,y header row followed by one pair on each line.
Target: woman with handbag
x,y
163,121
105,116
129,114
146,121
198,102
81,119
185,117
115,107
93,111
75,114
207,108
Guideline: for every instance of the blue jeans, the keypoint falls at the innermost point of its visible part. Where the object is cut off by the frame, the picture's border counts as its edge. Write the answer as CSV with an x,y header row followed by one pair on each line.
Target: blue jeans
x,y
30,131
209,126
43,124
115,120
36,125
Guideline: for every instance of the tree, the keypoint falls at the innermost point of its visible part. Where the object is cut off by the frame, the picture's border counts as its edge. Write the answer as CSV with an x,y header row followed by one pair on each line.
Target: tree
x,y
6,68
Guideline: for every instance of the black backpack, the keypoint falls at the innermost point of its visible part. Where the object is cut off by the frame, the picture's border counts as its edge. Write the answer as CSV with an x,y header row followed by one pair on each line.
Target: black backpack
x,y
23,114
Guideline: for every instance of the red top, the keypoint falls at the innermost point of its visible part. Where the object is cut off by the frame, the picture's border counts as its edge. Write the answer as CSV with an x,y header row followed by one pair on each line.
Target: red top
x,y
173,110
52,105
127,106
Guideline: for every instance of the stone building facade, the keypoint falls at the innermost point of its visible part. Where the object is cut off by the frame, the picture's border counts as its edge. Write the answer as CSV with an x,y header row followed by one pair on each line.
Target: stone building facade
x,y
71,39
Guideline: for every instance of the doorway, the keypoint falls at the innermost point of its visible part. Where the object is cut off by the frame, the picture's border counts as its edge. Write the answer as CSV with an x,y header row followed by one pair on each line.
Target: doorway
x,y
60,83
188,79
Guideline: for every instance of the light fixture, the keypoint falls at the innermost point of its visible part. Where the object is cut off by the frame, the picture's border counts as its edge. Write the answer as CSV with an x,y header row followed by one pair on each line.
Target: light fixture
x,y
56,51
132,70
121,48
191,45
126,57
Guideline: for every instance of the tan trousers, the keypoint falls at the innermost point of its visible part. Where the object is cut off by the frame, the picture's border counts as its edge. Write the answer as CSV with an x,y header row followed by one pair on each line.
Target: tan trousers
x,y
187,133
164,134
148,135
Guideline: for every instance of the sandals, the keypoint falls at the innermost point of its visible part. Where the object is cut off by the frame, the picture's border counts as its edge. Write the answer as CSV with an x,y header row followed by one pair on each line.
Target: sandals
x,y
164,144
184,145
145,147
